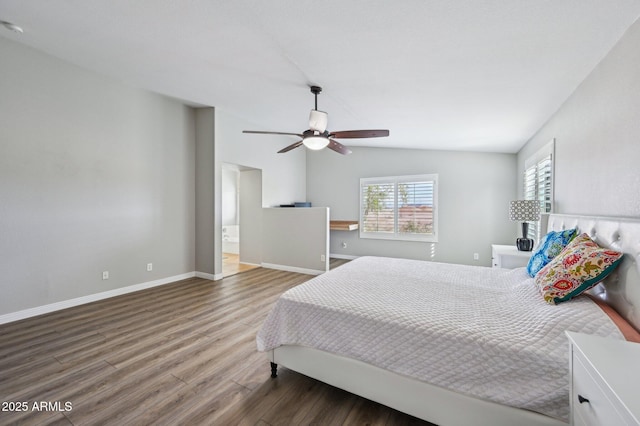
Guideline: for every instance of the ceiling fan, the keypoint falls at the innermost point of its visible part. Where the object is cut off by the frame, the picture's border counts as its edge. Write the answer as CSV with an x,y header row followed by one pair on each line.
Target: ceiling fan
x,y
318,137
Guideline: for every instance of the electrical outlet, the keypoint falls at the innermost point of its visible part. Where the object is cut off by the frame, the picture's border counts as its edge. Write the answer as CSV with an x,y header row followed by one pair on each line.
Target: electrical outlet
x,y
322,258
476,256
149,266
105,275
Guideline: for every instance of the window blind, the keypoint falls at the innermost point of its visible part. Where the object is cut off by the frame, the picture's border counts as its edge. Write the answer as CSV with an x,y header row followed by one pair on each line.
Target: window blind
x,y
415,207
538,185
399,207
377,205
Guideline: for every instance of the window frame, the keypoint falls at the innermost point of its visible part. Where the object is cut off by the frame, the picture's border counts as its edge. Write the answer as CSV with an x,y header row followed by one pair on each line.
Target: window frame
x,y
535,161
396,181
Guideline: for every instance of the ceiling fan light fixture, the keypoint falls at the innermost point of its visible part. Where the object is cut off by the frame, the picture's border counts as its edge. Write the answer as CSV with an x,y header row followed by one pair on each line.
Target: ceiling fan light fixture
x,y
315,142
318,137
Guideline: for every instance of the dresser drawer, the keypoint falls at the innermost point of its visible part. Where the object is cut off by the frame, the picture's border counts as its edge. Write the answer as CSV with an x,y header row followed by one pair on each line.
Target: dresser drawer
x,y
598,410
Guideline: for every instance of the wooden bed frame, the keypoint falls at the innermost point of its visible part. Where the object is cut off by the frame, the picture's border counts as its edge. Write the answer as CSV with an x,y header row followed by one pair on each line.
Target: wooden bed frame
x,y
621,290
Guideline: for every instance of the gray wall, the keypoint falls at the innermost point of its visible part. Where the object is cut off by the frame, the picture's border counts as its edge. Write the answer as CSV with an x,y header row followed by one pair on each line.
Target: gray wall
x,y
207,178
251,216
474,190
94,176
296,239
597,133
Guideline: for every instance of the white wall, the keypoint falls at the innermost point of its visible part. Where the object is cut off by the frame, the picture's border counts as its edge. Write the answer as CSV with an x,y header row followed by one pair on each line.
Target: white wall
x,y
597,133
230,180
94,176
474,190
283,175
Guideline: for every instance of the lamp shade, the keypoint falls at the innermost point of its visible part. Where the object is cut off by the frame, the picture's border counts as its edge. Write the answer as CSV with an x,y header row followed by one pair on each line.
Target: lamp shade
x,y
315,142
524,210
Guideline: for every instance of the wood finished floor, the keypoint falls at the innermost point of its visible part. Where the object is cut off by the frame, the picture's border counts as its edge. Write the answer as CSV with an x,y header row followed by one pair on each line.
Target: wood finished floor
x,y
231,265
179,354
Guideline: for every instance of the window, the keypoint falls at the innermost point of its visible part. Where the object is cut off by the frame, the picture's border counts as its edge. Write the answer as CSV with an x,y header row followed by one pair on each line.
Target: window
x,y
538,183
399,208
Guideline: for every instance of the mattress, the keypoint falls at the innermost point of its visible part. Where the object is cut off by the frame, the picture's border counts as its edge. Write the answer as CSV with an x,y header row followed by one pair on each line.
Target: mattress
x,y
483,332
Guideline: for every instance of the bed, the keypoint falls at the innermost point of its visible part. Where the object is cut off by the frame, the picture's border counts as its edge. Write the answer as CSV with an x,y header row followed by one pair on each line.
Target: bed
x,y
351,328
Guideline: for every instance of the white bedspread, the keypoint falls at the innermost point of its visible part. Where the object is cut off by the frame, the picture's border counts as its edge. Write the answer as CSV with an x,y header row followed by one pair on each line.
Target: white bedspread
x,y
480,331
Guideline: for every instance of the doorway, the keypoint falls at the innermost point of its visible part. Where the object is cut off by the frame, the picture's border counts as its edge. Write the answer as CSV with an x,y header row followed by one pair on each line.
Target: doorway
x,y
241,218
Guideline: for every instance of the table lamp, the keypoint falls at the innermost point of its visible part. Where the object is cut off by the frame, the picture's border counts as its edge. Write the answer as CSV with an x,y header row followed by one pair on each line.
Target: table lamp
x,y
523,211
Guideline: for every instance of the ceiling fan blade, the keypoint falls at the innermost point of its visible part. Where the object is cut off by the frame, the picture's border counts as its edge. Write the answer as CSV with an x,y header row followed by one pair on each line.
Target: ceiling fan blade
x,y
356,134
259,132
338,147
290,147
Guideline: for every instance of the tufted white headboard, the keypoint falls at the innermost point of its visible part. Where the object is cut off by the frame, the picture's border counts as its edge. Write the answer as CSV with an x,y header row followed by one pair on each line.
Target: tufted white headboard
x,y
621,289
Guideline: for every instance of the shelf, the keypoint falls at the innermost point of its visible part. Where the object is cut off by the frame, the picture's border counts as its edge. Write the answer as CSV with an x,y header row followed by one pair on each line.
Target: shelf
x,y
343,225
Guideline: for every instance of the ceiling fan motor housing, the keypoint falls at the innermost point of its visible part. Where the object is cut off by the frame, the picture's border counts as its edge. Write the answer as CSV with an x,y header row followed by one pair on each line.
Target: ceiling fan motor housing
x,y
318,120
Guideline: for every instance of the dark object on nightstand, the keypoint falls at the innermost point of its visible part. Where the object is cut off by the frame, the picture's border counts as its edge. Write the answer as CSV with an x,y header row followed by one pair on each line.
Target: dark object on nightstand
x,y
524,243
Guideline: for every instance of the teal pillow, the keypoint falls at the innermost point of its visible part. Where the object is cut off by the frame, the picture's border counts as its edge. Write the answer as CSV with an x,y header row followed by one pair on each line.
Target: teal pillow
x,y
550,246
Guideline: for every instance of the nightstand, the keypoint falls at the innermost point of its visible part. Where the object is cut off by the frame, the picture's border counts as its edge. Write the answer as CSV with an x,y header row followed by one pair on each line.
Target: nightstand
x,y
604,381
508,257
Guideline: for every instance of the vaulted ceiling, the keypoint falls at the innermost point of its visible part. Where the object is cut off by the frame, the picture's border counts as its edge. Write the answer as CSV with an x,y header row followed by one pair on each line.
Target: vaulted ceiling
x,y
439,74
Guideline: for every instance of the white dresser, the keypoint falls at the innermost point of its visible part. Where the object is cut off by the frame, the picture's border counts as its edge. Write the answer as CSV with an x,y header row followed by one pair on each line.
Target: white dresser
x,y
605,381
508,257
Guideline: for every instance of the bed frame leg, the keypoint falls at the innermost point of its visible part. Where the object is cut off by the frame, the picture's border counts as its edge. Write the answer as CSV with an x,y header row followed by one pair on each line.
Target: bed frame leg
x,y
274,370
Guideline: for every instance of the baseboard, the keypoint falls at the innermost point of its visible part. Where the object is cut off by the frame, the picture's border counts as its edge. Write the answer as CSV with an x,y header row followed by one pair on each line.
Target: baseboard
x,y
293,269
252,264
207,276
45,309
343,256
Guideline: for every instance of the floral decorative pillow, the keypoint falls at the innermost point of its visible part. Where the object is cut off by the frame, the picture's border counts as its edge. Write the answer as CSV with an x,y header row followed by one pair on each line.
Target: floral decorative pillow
x,y
550,246
581,265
